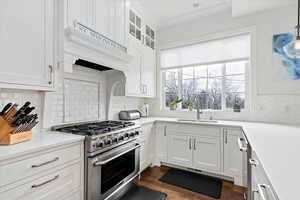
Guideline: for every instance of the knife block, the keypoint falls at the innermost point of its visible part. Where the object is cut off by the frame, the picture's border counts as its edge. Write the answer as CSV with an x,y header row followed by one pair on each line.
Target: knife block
x,y
6,136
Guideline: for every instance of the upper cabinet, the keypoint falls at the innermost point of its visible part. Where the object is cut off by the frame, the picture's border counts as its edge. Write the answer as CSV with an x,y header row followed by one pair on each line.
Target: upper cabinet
x,y
27,38
141,37
107,17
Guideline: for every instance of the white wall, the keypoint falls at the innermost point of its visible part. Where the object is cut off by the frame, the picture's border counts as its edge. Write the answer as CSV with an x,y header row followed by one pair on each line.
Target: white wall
x,y
273,101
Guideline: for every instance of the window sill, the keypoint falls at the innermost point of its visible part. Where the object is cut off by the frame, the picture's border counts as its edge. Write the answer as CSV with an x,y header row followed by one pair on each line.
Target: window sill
x,y
204,111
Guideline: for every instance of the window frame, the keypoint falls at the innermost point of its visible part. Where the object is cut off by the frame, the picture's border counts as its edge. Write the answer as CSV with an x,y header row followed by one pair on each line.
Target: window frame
x,y
250,84
223,105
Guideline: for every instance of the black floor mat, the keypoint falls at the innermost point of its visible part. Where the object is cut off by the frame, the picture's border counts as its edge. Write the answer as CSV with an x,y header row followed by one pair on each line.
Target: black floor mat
x,y
143,193
195,182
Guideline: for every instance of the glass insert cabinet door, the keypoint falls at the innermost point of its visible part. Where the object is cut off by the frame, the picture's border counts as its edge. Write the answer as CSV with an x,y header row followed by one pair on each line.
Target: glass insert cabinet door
x,y
135,25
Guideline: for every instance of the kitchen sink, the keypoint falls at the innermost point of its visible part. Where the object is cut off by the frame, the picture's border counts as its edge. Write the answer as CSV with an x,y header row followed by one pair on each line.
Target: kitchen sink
x,y
198,121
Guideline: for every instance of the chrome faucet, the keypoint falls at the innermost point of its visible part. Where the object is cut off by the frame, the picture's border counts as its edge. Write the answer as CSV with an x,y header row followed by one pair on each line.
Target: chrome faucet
x,y
199,112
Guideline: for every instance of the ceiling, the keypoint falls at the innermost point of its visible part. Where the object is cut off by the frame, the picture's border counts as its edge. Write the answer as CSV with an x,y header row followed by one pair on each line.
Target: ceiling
x,y
246,7
170,11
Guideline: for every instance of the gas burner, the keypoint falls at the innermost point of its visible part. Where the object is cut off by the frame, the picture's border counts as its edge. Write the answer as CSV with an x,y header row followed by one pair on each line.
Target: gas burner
x,y
96,128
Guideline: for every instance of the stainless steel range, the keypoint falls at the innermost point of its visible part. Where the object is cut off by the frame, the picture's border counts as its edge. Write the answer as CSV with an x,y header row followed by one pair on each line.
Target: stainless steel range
x,y
111,156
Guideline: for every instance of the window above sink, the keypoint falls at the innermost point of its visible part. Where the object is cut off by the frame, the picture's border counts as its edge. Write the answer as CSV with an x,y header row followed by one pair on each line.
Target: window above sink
x,y
216,71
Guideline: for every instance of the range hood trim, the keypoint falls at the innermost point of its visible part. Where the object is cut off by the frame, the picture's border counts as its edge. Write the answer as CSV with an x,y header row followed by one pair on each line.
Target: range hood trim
x,y
79,46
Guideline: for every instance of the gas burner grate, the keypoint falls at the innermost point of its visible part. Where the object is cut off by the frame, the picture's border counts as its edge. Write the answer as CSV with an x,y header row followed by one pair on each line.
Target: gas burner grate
x,y
96,128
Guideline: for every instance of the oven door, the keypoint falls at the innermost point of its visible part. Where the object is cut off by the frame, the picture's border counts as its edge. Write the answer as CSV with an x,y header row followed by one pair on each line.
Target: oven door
x,y
112,170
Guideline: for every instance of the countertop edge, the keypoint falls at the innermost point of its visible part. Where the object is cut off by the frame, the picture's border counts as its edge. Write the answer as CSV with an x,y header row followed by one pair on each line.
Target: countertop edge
x,y
38,148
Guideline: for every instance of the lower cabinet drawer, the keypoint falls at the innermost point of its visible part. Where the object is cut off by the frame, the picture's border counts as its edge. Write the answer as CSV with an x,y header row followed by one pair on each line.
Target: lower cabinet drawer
x,y
36,164
72,196
49,187
261,185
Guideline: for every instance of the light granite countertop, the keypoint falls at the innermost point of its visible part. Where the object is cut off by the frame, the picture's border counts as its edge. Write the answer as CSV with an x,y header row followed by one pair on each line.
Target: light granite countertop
x,y
277,146
40,141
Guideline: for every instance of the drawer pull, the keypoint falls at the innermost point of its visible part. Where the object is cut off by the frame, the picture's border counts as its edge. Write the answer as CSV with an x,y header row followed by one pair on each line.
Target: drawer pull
x,y
45,163
265,187
240,143
46,182
253,162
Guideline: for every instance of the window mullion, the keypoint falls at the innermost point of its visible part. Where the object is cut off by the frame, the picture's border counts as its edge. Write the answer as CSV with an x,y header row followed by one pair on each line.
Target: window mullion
x,y
180,86
223,87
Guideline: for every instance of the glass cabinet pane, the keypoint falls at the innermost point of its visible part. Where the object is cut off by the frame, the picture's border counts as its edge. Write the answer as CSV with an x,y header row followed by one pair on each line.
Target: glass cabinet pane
x,y
138,22
132,16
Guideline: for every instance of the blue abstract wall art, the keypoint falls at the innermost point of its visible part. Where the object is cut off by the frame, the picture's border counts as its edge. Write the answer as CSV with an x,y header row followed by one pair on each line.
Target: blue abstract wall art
x,y
286,64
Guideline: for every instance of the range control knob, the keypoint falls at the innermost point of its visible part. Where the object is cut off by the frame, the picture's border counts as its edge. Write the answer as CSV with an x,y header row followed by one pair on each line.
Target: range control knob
x,y
131,134
108,142
126,135
121,138
100,144
114,140
136,133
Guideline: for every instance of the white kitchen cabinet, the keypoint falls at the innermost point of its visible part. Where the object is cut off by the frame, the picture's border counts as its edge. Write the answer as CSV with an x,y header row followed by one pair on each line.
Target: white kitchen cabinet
x,y
180,150
103,17
120,22
140,77
51,186
233,157
78,10
147,146
207,148
27,37
207,153
55,173
261,185
133,75
161,143
137,36
148,72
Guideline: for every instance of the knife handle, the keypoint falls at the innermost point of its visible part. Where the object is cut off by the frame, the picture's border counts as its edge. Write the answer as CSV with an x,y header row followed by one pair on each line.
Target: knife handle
x,y
5,109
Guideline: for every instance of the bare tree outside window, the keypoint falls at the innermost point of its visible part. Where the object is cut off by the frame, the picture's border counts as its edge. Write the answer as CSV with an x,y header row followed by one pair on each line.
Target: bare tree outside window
x,y
218,86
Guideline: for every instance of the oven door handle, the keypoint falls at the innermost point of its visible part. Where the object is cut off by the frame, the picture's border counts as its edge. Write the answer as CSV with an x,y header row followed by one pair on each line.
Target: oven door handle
x,y
103,162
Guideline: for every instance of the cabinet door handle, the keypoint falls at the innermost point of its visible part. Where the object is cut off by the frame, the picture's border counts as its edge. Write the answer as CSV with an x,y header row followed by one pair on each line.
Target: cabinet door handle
x,y
51,75
253,162
46,182
45,163
226,136
194,144
190,143
240,143
165,131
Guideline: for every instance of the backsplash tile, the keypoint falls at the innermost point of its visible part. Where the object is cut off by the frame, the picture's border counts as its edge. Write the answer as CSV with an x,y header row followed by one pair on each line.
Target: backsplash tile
x,y
81,100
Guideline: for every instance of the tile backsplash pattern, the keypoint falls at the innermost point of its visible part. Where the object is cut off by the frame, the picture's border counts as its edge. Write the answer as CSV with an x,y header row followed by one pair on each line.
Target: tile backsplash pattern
x,y
118,103
81,100
54,111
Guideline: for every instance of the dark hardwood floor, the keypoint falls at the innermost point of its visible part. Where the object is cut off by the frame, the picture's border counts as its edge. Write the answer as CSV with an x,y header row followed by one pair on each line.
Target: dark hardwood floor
x,y
150,179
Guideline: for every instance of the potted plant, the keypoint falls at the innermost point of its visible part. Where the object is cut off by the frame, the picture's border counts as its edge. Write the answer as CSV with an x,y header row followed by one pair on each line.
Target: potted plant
x,y
237,107
189,105
173,105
